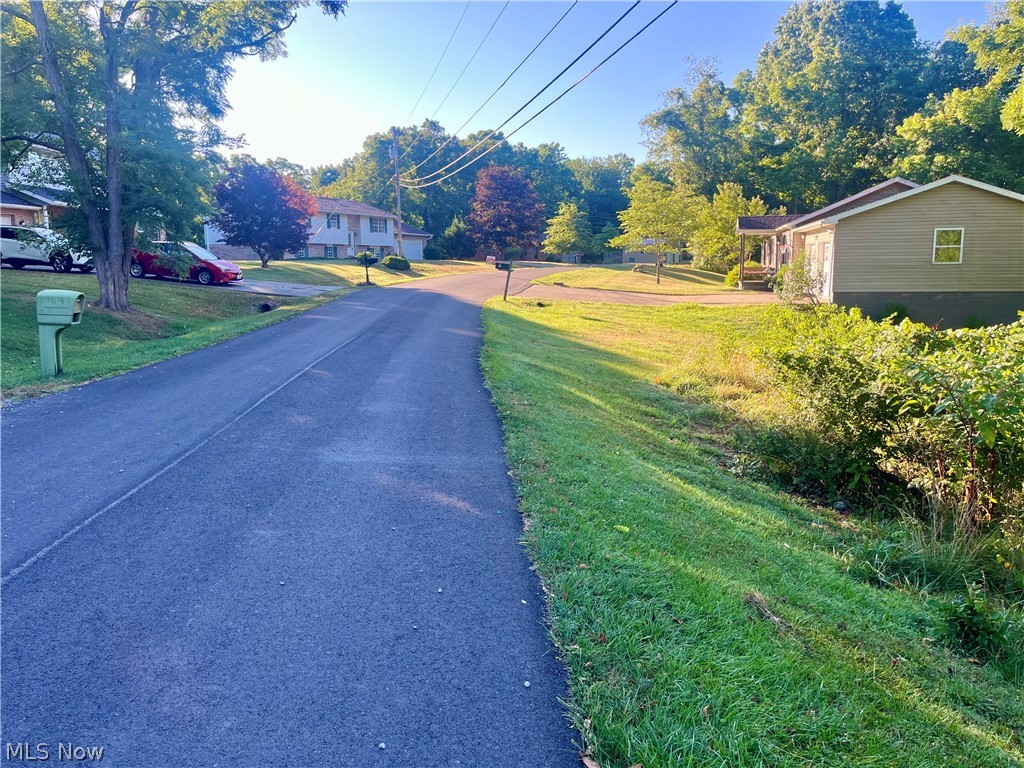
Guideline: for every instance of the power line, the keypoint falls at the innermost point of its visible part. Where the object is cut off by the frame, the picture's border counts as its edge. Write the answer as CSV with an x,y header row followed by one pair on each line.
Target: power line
x,y
488,34
455,133
532,98
447,45
546,107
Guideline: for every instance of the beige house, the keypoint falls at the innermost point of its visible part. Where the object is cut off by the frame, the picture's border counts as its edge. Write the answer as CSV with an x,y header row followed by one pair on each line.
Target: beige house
x,y
341,229
950,251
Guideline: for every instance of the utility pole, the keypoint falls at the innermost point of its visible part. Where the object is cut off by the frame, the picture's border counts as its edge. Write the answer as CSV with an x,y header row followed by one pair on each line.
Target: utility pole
x,y
398,188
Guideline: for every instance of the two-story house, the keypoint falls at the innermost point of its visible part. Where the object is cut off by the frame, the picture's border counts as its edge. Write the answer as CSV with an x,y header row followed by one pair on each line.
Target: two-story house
x,y
341,229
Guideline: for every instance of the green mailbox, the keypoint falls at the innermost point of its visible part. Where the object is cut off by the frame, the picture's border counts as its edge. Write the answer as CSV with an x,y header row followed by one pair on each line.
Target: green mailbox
x,y
55,311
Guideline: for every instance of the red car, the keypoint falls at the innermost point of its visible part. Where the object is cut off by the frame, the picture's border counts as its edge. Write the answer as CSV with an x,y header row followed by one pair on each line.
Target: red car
x,y
203,266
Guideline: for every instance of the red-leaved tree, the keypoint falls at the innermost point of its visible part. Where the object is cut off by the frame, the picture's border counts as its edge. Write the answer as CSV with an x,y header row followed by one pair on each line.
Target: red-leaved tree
x,y
263,210
506,211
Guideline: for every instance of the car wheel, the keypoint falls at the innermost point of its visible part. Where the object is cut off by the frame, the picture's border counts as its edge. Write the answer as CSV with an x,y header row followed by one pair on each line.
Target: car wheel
x,y
86,269
137,270
61,263
205,276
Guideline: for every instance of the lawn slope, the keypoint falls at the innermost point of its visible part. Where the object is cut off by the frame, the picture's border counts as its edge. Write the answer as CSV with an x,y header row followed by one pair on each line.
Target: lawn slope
x,y
706,620
675,280
346,273
170,320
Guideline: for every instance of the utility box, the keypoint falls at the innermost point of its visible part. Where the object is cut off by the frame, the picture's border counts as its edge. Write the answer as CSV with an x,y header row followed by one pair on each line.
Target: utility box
x,y
55,311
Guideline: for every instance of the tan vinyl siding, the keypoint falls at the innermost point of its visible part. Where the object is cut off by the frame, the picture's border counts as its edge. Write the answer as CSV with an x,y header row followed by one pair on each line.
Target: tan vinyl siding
x,y
889,248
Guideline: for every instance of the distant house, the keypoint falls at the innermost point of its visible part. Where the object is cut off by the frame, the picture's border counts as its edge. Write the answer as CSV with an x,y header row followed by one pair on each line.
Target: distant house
x,y
949,251
29,205
642,257
340,229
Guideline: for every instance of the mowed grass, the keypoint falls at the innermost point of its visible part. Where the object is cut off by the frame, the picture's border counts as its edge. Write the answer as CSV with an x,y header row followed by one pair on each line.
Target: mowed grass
x,y
675,280
170,320
707,620
346,273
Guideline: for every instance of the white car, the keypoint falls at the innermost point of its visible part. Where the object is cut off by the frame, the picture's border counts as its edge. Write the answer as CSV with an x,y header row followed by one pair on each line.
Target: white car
x,y
22,246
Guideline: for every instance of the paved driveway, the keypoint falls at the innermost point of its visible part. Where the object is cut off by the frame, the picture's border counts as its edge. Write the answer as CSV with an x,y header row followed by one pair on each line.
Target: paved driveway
x,y
296,548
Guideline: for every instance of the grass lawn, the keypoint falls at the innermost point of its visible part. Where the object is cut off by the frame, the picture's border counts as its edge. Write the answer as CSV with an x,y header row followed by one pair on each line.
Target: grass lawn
x,y
171,320
705,619
345,272
675,280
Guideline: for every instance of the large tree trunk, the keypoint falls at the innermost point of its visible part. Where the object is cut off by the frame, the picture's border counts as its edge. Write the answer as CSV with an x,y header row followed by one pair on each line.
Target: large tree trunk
x,y
114,279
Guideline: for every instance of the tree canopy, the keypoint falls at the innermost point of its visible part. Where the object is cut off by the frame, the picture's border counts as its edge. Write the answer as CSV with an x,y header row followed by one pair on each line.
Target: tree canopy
x,y
506,211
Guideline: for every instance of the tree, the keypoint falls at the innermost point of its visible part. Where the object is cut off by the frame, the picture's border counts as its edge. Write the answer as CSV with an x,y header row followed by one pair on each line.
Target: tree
x,y
962,134
457,242
546,167
659,219
697,131
568,232
714,243
263,210
826,97
602,182
134,90
998,48
506,211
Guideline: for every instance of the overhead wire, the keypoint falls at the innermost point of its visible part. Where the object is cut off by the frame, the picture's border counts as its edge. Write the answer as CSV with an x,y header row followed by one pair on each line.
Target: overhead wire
x,y
446,47
494,93
532,98
547,106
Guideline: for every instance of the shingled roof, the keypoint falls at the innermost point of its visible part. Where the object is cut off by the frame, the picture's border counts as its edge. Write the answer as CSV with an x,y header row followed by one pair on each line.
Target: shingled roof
x,y
765,223
410,230
354,207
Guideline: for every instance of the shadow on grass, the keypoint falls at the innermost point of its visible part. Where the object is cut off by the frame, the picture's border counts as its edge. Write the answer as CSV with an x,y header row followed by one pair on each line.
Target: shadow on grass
x,y
649,549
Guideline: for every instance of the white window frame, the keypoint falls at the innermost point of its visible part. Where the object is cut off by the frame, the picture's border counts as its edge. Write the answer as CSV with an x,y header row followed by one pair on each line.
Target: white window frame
x,y
936,246
380,221
330,251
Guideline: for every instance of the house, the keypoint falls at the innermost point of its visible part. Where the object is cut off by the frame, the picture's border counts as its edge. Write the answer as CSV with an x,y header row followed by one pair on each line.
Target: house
x,y
951,251
340,229
643,257
28,205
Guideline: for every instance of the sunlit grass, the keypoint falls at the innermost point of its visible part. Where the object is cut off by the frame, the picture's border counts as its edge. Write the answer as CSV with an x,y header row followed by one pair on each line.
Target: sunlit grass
x,y
170,319
653,554
346,273
675,280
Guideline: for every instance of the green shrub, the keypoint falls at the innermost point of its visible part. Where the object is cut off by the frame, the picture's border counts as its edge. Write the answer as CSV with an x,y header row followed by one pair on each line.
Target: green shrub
x,y
940,409
512,253
732,277
978,623
432,253
895,312
397,263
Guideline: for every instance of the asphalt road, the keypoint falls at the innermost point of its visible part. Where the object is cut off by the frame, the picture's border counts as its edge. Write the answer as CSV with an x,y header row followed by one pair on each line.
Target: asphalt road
x,y
296,548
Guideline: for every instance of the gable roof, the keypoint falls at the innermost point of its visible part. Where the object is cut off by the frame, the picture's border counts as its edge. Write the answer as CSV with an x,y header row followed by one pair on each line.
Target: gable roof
x,y
354,207
765,223
848,202
410,230
11,199
925,188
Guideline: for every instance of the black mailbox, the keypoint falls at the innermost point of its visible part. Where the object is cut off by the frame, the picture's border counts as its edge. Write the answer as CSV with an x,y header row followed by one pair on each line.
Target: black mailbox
x,y
505,265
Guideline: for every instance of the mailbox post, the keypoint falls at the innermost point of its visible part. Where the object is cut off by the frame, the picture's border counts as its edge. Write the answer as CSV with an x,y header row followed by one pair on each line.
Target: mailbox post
x,y
507,266
55,311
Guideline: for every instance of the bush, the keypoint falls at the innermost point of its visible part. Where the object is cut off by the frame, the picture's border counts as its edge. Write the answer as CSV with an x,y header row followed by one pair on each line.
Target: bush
x,y
978,623
512,253
895,312
397,263
801,281
732,277
432,253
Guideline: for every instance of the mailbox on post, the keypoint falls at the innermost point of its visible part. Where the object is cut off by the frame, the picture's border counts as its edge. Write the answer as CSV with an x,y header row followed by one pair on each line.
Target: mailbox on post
x,y
55,311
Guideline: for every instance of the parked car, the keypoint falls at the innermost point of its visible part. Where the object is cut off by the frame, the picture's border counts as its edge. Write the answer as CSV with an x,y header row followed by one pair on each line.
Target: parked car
x,y
24,246
203,266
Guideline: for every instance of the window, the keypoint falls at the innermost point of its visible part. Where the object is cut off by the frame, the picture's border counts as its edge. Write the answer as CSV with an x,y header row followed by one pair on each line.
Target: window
x,y
302,253
333,221
330,252
948,246
378,226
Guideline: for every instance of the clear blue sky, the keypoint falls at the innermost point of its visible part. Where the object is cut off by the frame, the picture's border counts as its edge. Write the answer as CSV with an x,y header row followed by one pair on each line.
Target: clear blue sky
x,y
361,74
